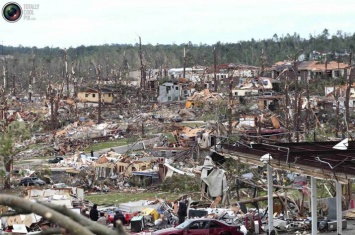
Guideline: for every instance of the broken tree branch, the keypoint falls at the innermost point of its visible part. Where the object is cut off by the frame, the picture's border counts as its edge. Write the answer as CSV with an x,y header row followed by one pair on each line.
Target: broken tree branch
x,y
46,212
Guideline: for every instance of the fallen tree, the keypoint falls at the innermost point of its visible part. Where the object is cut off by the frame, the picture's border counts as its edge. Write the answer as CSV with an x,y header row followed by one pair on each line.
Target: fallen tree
x,y
67,220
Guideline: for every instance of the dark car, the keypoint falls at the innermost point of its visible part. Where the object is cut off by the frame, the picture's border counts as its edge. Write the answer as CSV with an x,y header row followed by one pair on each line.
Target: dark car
x,y
30,181
176,119
202,226
55,160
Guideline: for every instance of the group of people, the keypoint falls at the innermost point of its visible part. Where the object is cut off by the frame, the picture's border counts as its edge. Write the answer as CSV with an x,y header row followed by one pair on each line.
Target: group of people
x,y
100,217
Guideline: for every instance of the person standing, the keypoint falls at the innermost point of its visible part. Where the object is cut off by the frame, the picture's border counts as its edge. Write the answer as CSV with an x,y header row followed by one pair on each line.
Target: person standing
x,y
102,219
118,216
182,212
94,213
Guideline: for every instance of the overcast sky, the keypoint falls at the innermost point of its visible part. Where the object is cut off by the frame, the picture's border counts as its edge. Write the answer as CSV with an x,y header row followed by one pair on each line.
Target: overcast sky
x,y
73,23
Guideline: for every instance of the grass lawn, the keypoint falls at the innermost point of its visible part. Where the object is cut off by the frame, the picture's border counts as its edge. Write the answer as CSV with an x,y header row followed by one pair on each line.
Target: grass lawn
x,y
116,198
105,145
37,146
193,125
22,162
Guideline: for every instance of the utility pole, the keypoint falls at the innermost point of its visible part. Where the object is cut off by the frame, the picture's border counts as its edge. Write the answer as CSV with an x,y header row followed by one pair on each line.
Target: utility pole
x,y
215,69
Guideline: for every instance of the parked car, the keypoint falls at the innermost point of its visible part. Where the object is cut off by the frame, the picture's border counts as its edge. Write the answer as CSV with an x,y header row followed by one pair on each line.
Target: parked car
x,y
156,116
30,181
55,160
203,226
176,119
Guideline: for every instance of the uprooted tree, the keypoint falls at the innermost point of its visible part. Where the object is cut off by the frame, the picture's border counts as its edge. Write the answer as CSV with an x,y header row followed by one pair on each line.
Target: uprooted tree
x,y
68,221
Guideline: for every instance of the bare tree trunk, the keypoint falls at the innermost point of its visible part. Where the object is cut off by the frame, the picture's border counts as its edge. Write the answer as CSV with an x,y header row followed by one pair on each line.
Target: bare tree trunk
x,y
66,71
297,98
51,94
308,105
59,96
115,77
142,85
336,96
184,65
263,62
14,77
347,96
75,79
230,105
6,75
121,95
99,90
215,69
32,76
8,160
13,85
107,68
287,113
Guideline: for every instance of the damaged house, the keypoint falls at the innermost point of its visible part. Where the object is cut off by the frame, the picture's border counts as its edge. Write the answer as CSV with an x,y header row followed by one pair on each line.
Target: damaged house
x,y
92,95
123,165
203,99
169,91
309,70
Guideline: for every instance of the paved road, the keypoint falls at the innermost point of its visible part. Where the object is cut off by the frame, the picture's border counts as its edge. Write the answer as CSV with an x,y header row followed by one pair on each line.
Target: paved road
x,y
125,148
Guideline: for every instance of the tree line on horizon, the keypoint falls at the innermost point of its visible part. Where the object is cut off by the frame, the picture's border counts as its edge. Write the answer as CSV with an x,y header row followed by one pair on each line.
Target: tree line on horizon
x,y
49,61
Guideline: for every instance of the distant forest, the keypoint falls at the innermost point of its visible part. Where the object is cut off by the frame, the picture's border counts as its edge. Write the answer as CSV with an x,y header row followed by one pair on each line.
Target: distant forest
x,y
49,61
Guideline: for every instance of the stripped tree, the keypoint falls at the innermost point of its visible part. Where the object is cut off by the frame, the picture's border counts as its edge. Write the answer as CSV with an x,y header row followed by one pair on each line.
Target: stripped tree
x,y
98,85
347,94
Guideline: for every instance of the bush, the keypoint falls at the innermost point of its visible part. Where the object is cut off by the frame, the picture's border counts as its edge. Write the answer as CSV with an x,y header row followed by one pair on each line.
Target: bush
x,y
180,183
